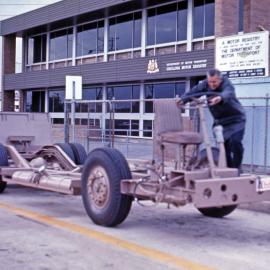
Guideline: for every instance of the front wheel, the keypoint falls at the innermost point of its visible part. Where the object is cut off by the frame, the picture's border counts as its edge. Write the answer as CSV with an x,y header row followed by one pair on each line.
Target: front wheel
x,y
218,212
102,173
214,212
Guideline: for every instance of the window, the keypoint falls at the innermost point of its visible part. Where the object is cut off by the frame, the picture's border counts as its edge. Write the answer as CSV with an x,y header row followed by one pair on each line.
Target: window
x,y
147,128
125,93
35,101
37,49
56,100
162,90
90,39
125,32
124,127
91,93
203,18
167,24
241,15
61,44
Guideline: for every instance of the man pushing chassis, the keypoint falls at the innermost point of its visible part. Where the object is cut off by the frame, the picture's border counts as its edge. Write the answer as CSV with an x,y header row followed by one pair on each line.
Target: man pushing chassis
x,y
181,171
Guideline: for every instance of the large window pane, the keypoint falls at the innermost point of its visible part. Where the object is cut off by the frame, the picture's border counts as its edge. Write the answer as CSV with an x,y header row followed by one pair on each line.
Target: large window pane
x,y
61,44
151,27
93,94
126,127
56,100
241,15
100,37
135,127
122,127
162,90
122,93
35,101
137,30
127,92
125,32
37,49
90,39
147,128
180,89
166,90
182,21
136,95
203,18
112,34
166,24
209,18
198,18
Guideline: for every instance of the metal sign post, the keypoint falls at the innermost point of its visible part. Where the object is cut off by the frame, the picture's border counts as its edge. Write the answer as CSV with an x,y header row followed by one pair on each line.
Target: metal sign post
x,y
73,93
66,124
73,112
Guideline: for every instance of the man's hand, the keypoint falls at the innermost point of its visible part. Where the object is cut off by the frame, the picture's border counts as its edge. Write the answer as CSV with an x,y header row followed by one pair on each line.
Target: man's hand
x,y
215,100
179,102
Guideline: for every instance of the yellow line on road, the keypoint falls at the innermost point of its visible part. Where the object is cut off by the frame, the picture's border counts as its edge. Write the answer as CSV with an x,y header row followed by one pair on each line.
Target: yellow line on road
x,y
153,254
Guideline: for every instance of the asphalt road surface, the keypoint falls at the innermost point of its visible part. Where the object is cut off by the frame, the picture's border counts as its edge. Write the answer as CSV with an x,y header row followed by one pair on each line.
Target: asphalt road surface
x,y
49,231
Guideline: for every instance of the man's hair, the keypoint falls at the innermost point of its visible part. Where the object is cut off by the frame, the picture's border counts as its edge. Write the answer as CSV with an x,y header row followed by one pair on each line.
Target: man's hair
x,y
214,72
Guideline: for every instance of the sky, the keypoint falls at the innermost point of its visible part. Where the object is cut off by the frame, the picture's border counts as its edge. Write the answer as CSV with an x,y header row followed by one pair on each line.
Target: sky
x,y
9,8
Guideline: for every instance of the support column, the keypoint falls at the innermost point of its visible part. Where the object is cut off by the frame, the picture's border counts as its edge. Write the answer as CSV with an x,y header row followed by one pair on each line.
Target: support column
x,y
74,46
106,39
8,67
47,49
1,72
104,108
144,32
141,109
189,25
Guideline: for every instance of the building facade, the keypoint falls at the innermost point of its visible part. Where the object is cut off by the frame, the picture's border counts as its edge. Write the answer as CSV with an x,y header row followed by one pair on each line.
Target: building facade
x,y
123,49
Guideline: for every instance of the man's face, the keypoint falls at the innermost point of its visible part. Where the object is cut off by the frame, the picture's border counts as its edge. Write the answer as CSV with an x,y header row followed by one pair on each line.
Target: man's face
x,y
214,82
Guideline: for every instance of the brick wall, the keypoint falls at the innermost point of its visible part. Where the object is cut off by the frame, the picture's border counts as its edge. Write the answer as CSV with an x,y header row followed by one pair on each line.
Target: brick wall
x,y
226,18
9,47
256,13
8,101
9,59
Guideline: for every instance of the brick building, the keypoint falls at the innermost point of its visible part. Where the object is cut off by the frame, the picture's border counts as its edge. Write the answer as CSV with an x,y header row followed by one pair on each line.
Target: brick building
x,y
123,49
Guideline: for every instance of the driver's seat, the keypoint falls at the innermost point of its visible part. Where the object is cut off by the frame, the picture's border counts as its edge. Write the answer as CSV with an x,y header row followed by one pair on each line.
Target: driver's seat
x,y
169,128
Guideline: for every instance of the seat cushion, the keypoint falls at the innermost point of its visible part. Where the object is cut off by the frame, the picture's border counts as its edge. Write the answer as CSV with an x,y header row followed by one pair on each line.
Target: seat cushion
x,y
186,137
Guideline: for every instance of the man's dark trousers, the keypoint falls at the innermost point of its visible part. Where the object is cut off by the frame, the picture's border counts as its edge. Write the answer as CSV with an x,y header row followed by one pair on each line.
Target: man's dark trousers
x,y
234,149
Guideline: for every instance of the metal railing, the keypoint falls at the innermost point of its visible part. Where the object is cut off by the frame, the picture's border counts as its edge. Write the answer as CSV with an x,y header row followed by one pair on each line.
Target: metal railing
x,y
256,141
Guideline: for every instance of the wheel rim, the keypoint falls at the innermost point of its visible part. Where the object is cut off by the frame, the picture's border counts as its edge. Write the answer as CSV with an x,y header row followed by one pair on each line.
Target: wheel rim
x,y
98,187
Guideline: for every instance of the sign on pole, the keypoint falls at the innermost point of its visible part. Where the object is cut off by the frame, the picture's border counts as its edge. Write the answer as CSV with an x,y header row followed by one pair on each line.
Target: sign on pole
x,y
244,55
73,93
73,87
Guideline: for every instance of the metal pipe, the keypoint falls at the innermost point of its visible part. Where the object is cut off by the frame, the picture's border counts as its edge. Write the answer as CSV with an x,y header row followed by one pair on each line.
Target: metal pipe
x,y
206,140
252,138
266,132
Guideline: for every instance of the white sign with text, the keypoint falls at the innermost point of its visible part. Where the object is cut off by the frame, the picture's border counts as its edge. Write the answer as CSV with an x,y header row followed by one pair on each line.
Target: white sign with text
x,y
73,87
244,55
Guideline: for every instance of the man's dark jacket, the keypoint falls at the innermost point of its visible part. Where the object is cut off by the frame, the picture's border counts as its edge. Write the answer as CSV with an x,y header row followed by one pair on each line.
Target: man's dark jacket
x,y
229,112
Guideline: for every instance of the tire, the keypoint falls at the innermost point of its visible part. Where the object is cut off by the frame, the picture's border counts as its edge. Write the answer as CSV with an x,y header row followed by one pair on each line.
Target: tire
x,y
218,212
79,152
67,149
115,207
3,163
214,212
